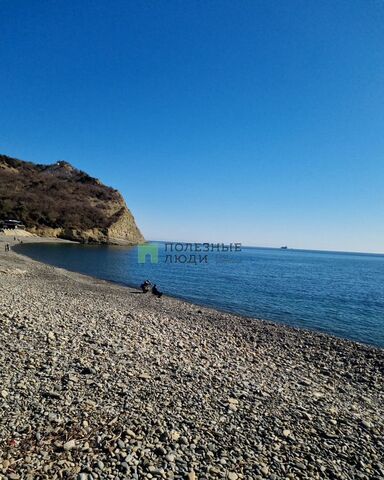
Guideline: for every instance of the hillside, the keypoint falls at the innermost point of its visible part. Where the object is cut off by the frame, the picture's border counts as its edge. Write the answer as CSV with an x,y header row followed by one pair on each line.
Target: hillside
x,y
60,201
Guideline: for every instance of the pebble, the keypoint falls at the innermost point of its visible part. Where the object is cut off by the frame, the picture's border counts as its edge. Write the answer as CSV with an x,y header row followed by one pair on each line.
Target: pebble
x,y
366,424
175,435
71,444
264,469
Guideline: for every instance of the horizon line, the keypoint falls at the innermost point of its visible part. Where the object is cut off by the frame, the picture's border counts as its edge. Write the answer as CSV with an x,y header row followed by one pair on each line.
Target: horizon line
x,y
357,252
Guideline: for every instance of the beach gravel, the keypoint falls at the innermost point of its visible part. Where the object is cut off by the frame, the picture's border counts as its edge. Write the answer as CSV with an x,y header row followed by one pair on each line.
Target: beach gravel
x,y
99,381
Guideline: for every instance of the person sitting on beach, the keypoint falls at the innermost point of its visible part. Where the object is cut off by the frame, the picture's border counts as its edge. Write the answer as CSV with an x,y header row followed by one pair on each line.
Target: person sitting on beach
x,y
145,286
156,292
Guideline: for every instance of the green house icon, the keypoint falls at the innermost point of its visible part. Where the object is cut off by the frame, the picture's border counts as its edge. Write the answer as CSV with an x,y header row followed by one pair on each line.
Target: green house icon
x,y
144,250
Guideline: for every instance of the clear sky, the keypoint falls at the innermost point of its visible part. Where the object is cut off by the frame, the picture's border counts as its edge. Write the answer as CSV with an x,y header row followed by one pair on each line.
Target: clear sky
x,y
259,121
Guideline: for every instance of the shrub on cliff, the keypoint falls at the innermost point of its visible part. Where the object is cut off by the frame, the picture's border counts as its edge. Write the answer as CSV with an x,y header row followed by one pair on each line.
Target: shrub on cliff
x,y
55,196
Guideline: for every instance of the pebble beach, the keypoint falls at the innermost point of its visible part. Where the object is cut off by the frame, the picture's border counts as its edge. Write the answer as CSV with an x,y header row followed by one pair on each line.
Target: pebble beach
x,y
100,381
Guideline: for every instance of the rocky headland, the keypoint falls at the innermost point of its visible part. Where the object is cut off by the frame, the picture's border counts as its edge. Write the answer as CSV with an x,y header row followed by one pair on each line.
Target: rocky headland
x,y
61,201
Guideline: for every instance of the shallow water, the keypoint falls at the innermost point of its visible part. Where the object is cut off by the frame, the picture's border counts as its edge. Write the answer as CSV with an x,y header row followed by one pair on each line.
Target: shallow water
x,y
337,293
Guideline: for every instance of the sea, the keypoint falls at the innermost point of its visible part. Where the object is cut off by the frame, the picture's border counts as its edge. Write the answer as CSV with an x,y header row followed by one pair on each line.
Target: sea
x,y
338,293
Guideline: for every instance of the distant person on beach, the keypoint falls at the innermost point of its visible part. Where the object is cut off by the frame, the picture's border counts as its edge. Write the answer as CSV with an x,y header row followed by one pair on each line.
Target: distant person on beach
x,y
156,292
145,286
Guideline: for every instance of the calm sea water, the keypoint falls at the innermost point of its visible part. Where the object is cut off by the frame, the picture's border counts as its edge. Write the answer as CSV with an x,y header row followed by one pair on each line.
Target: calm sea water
x,y
338,293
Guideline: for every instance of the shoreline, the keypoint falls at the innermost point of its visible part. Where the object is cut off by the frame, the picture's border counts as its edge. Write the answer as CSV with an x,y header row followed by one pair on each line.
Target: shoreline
x,y
36,239
237,316
100,381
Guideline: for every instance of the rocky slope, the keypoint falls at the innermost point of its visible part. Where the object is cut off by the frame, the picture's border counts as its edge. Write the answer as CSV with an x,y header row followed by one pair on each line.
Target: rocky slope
x,y
60,201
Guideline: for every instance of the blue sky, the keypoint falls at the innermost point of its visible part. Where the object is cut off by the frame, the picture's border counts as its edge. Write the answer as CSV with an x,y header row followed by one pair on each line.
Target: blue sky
x,y
259,122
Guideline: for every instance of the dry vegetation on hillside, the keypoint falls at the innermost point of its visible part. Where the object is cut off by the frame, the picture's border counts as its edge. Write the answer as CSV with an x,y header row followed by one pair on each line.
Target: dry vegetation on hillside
x,y
55,196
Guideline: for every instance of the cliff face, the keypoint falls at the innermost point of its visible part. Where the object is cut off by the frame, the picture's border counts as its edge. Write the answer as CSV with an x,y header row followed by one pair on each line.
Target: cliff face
x,y
60,201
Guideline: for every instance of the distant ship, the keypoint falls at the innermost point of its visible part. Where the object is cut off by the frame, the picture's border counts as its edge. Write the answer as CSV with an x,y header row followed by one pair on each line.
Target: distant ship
x,y
284,247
